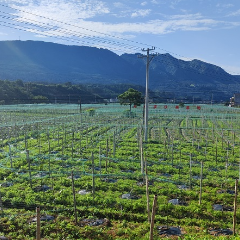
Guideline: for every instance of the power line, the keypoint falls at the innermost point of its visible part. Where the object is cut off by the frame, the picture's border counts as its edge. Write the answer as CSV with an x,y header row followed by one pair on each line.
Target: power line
x,y
72,25
17,27
87,43
50,27
87,29
92,40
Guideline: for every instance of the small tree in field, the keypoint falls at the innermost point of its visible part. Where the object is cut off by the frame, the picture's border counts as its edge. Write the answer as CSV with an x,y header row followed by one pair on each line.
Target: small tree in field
x,y
130,97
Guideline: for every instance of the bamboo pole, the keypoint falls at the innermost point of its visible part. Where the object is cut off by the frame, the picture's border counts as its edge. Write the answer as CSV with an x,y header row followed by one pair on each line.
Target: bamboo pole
x,y
38,232
1,204
10,154
100,165
147,192
114,144
216,153
235,208
25,139
153,217
190,171
106,160
39,143
29,168
49,145
93,178
141,155
234,140
74,199
201,177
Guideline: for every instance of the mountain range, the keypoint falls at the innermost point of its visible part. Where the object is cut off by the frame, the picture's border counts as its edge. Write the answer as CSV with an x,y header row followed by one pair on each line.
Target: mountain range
x,y
46,62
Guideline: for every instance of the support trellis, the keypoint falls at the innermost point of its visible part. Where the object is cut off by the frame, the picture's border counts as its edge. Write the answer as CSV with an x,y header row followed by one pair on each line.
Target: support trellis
x,y
53,142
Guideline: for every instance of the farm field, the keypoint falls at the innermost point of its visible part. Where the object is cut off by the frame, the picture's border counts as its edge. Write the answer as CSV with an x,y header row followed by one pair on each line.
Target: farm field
x,y
93,177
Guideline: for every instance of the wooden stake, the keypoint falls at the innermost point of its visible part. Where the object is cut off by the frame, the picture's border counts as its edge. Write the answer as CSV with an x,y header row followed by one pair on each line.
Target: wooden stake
x,y
141,155
38,232
93,178
39,143
58,137
234,137
201,176
49,146
1,204
29,168
10,154
190,172
100,164
107,147
239,172
153,217
114,144
226,167
235,208
147,192
74,199
25,139
106,162
222,138
216,153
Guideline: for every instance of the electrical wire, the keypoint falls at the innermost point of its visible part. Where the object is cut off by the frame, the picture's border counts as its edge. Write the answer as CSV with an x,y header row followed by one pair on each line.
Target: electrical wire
x,y
75,26
50,27
94,41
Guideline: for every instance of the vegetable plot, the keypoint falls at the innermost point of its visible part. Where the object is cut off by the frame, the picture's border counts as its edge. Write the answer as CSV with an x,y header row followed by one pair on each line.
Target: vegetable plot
x,y
93,176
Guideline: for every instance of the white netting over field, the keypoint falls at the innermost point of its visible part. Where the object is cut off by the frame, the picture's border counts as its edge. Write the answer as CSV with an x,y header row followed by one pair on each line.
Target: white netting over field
x,y
74,161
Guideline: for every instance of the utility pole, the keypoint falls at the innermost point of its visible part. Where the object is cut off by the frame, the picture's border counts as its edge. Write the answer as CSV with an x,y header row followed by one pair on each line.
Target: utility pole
x,y
149,59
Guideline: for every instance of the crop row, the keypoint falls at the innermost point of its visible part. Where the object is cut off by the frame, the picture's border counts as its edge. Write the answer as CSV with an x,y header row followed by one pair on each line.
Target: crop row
x,y
96,166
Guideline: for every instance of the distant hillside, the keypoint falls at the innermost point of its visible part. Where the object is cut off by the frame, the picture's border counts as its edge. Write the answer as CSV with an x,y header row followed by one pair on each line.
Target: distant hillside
x,y
45,62
18,92
50,62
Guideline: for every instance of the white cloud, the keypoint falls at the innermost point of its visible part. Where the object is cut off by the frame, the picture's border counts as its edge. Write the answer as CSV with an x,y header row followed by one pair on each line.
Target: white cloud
x,y
143,3
141,13
118,5
187,16
74,20
229,5
154,26
3,34
67,10
173,4
18,1
236,13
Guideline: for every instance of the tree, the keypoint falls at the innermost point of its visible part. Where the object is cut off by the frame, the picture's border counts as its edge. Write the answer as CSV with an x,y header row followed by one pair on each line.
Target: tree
x,y
130,97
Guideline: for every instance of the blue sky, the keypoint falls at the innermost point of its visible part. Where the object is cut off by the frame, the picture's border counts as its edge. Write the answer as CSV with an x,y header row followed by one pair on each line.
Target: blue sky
x,y
208,30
